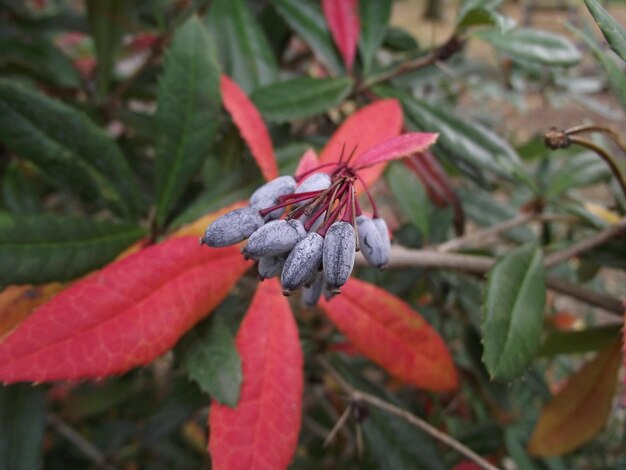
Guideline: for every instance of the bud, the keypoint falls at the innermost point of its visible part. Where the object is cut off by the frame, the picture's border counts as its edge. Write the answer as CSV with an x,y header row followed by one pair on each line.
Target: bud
x,y
312,293
232,227
381,225
372,246
274,238
339,253
268,194
270,266
303,262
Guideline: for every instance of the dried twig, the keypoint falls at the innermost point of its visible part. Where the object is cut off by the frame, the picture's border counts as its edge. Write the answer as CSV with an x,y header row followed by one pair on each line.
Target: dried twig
x,y
363,397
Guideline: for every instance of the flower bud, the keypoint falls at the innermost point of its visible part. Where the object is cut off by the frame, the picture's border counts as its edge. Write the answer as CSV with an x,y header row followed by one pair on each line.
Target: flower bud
x,y
338,255
232,227
303,262
312,293
372,245
268,194
274,238
381,225
270,266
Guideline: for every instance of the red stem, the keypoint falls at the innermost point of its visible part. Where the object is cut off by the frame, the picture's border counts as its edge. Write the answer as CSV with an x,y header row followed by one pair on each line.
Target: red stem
x,y
369,195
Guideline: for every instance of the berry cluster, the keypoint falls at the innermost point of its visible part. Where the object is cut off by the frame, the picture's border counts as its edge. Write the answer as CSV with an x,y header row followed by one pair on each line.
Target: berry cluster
x,y
314,245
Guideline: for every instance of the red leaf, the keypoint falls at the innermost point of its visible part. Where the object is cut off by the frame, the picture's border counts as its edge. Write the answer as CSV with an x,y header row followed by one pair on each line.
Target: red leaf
x,y
262,431
385,329
396,148
251,126
369,126
342,17
122,316
438,185
308,162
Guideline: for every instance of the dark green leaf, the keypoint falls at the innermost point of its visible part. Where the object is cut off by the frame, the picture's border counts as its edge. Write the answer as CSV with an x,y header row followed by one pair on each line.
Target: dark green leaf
x,y
22,425
20,194
42,248
533,45
106,21
513,312
306,19
301,97
211,358
458,139
613,31
374,20
589,339
580,170
483,13
244,51
615,75
188,112
410,196
396,444
75,153
399,40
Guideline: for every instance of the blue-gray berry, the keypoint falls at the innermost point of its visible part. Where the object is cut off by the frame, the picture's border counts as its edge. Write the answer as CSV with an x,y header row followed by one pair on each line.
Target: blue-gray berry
x,y
232,227
303,262
274,238
339,253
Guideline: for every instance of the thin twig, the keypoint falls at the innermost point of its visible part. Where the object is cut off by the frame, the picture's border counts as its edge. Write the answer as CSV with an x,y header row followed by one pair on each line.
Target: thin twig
x,y
586,244
87,448
340,423
594,128
604,155
485,234
360,396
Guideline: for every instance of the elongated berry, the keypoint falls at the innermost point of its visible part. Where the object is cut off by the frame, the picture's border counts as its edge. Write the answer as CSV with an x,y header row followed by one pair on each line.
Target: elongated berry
x,y
381,225
270,266
372,246
302,263
274,238
232,227
339,253
314,182
271,191
312,293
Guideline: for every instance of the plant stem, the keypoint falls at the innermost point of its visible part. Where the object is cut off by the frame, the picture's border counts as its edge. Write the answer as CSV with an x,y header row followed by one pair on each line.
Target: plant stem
x,y
605,130
360,396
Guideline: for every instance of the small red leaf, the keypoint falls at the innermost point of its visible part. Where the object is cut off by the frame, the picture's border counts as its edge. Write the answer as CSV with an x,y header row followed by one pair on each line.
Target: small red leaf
x,y
122,316
396,148
308,162
438,185
385,329
342,17
369,126
262,431
251,126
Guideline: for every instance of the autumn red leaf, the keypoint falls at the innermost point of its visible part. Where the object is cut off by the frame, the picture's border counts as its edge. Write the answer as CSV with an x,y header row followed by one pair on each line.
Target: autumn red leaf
x,y
262,431
307,162
122,316
385,329
398,147
367,127
580,409
343,21
248,120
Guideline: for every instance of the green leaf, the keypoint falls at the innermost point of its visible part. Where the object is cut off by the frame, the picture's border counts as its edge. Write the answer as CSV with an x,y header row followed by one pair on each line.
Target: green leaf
x,y
483,13
613,31
374,21
106,22
458,139
301,97
72,151
22,426
533,45
210,357
396,444
20,194
589,339
513,312
615,75
410,196
399,40
244,51
42,248
306,19
188,112
579,170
